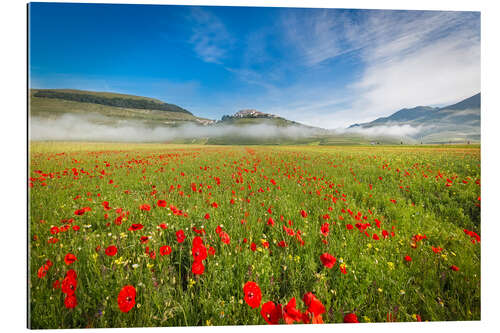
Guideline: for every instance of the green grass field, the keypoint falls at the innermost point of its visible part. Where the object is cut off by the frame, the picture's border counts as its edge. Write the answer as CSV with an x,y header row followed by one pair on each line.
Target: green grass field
x,y
373,208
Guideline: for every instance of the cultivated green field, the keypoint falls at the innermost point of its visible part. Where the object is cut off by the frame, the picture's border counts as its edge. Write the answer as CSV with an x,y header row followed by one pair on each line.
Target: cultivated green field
x,y
392,217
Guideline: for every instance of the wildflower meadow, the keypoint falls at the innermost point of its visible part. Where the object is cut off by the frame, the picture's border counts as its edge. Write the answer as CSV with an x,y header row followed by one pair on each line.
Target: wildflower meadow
x,y
141,235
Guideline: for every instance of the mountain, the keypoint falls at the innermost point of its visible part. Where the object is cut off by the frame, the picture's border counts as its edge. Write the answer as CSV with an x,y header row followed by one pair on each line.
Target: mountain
x,y
472,102
112,107
458,122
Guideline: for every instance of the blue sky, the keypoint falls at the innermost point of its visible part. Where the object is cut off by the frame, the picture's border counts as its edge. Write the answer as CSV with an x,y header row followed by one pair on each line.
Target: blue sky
x,y
323,67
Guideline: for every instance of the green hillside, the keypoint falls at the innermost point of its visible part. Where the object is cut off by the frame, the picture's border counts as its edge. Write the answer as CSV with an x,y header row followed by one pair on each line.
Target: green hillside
x,y
56,102
109,99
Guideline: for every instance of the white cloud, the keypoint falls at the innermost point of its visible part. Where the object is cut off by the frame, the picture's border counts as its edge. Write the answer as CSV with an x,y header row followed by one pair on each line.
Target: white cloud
x,y
210,38
409,58
443,72
315,34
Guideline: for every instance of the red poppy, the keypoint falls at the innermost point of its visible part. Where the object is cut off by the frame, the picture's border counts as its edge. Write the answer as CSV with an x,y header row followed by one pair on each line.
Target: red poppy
x,y
126,298
317,319
165,250
303,213
69,258
82,211
68,285
211,251
270,221
163,226
455,268
305,317
180,236
349,226
313,304
271,312
199,252
199,231
111,250
197,241
218,229
408,258
290,313
197,268
54,230
152,255
282,244
71,274
328,260
144,239
253,247
118,221
76,227
253,294
351,318
224,237
42,271
145,207
437,249
161,203
70,301
135,227
325,229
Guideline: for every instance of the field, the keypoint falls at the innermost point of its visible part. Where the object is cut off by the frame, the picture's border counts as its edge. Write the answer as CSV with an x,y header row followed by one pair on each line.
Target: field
x,y
125,235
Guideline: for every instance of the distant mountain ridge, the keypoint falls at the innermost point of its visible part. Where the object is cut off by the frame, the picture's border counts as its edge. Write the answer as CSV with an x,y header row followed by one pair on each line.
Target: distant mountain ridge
x,y
457,122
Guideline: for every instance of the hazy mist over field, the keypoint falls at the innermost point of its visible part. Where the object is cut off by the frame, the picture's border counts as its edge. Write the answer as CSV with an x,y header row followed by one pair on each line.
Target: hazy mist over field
x,y
98,128
389,131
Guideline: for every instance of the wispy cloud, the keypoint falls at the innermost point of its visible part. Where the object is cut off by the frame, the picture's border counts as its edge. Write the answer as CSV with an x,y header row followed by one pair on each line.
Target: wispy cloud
x,y
316,35
407,59
433,59
210,38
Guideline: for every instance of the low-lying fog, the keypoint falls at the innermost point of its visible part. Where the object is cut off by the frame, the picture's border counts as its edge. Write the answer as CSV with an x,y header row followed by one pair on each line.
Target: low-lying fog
x,y
100,128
